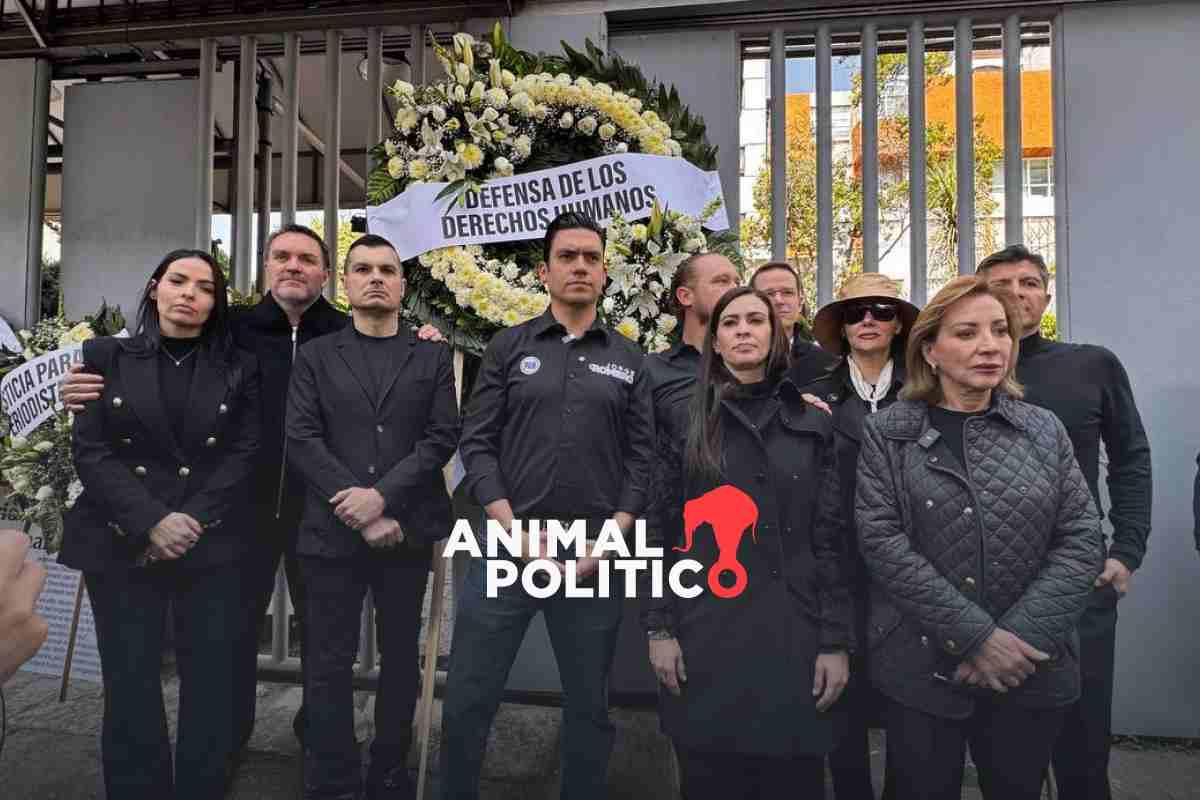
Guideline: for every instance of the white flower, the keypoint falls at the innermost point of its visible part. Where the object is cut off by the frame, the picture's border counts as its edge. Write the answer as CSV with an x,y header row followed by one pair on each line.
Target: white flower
x,y
77,335
622,147
477,91
44,446
693,244
403,89
666,324
491,114
19,442
608,305
395,167
462,48
496,98
511,271
419,169
460,94
562,79
73,491
44,493
504,167
587,126
674,148
407,119
639,232
566,121
389,147
507,79
607,131
439,114
540,113
462,74
495,74
522,147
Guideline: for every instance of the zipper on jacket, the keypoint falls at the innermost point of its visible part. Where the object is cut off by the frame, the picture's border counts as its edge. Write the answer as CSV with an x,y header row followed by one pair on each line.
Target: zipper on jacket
x,y
283,466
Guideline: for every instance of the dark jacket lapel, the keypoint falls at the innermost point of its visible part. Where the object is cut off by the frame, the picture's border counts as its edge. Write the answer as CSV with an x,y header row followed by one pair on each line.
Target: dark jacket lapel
x,y
139,374
351,355
400,355
208,390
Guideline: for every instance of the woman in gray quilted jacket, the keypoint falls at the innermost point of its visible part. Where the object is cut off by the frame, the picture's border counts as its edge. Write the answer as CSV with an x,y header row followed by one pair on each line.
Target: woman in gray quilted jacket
x,y
982,541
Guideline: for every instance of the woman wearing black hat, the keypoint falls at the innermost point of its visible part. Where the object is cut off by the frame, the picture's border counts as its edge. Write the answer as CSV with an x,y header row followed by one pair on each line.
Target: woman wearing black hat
x,y
867,326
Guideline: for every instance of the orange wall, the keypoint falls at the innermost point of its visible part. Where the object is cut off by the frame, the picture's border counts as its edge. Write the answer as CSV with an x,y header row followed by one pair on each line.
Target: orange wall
x,y
1037,126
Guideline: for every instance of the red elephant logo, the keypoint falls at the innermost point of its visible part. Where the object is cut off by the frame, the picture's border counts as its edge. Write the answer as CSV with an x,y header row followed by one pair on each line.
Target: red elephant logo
x,y
729,511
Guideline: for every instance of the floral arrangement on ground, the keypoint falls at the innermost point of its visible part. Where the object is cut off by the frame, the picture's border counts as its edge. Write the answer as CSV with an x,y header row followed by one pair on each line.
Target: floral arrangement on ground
x,y
38,469
501,111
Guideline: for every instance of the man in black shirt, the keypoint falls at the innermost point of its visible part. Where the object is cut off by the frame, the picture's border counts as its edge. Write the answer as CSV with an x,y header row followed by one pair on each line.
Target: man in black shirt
x,y
1087,387
371,421
779,281
559,427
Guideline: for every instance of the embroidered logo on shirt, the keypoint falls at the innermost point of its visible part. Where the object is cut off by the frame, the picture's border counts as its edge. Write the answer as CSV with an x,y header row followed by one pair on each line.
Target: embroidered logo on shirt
x,y
613,371
530,364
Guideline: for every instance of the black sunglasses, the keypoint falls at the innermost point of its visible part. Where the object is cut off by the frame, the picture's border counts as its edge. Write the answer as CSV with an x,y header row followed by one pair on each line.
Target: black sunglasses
x,y
881,312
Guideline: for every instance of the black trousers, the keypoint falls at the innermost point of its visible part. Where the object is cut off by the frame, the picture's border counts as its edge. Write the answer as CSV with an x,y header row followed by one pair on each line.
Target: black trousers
x,y
1009,745
1081,752
850,761
274,541
336,588
130,609
734,776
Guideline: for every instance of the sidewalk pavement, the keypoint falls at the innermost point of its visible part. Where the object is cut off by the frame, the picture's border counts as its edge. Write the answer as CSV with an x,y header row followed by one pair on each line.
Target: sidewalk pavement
x,y
52,751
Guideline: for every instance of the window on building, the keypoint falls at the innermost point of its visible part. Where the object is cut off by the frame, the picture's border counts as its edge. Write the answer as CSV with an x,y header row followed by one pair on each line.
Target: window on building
x,y
1039,177
998,179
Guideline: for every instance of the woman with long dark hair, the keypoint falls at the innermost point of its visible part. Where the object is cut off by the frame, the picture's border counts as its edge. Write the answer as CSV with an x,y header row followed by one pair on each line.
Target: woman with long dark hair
x,y
164,458
752,666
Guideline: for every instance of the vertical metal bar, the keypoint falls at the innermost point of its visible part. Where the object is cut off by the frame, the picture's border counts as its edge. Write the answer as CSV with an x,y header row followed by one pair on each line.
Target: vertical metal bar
x,y
291,128
204,144
964,136
824,53
918,273
265,94
375,93
870,148
777,110
333,149
243,220
1014,211
1062,251
37,192
416,54
279,616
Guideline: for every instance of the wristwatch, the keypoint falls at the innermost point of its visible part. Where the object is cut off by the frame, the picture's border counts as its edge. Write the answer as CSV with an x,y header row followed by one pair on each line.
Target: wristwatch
x,y
659,634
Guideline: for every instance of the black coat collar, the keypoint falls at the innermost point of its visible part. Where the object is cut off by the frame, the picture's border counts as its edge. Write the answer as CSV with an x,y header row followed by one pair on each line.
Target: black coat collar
x,y
320,318
351,353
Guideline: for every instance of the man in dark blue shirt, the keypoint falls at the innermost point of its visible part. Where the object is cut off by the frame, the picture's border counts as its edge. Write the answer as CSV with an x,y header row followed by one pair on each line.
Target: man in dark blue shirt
x,y
559,427
1087,387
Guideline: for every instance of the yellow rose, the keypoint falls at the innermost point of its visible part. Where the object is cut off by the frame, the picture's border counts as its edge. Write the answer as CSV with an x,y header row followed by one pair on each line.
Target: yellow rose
x,y
628,328
418,170
472,156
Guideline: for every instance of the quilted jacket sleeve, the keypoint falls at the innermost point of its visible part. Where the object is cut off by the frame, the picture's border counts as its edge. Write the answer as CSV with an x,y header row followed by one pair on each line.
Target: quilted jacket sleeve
x,y
1051,605
910,580
833,567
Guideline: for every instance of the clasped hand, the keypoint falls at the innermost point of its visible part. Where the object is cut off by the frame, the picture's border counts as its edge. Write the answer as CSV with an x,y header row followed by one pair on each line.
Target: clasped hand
x,y
1004,661
173,536
357,507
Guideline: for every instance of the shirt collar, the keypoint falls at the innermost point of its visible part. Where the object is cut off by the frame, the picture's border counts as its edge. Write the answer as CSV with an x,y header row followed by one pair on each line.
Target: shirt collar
x,y
1032,344
681,349
546,323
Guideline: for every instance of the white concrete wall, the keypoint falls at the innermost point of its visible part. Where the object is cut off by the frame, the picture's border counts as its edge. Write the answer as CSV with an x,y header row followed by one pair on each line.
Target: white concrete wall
x,y
1132,154
16,170
127,187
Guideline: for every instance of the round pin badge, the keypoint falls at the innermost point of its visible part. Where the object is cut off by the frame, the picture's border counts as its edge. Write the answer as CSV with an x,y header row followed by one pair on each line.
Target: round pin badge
x,y
530,364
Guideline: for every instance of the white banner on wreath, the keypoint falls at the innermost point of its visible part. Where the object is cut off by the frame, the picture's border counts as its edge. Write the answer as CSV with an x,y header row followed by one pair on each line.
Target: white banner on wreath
x,y
521,207
29,394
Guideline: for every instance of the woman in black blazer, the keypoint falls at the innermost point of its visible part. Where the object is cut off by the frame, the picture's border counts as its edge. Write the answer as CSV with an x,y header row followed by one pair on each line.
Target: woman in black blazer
x,y
164,457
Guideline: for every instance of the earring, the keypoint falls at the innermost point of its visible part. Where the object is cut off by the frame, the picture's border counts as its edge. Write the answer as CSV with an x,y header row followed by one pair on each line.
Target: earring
x,y
934,367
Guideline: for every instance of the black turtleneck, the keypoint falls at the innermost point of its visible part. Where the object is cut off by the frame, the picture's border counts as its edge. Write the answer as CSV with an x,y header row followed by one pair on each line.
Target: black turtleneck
x,y
1087,387
755,400
949,424
176,365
